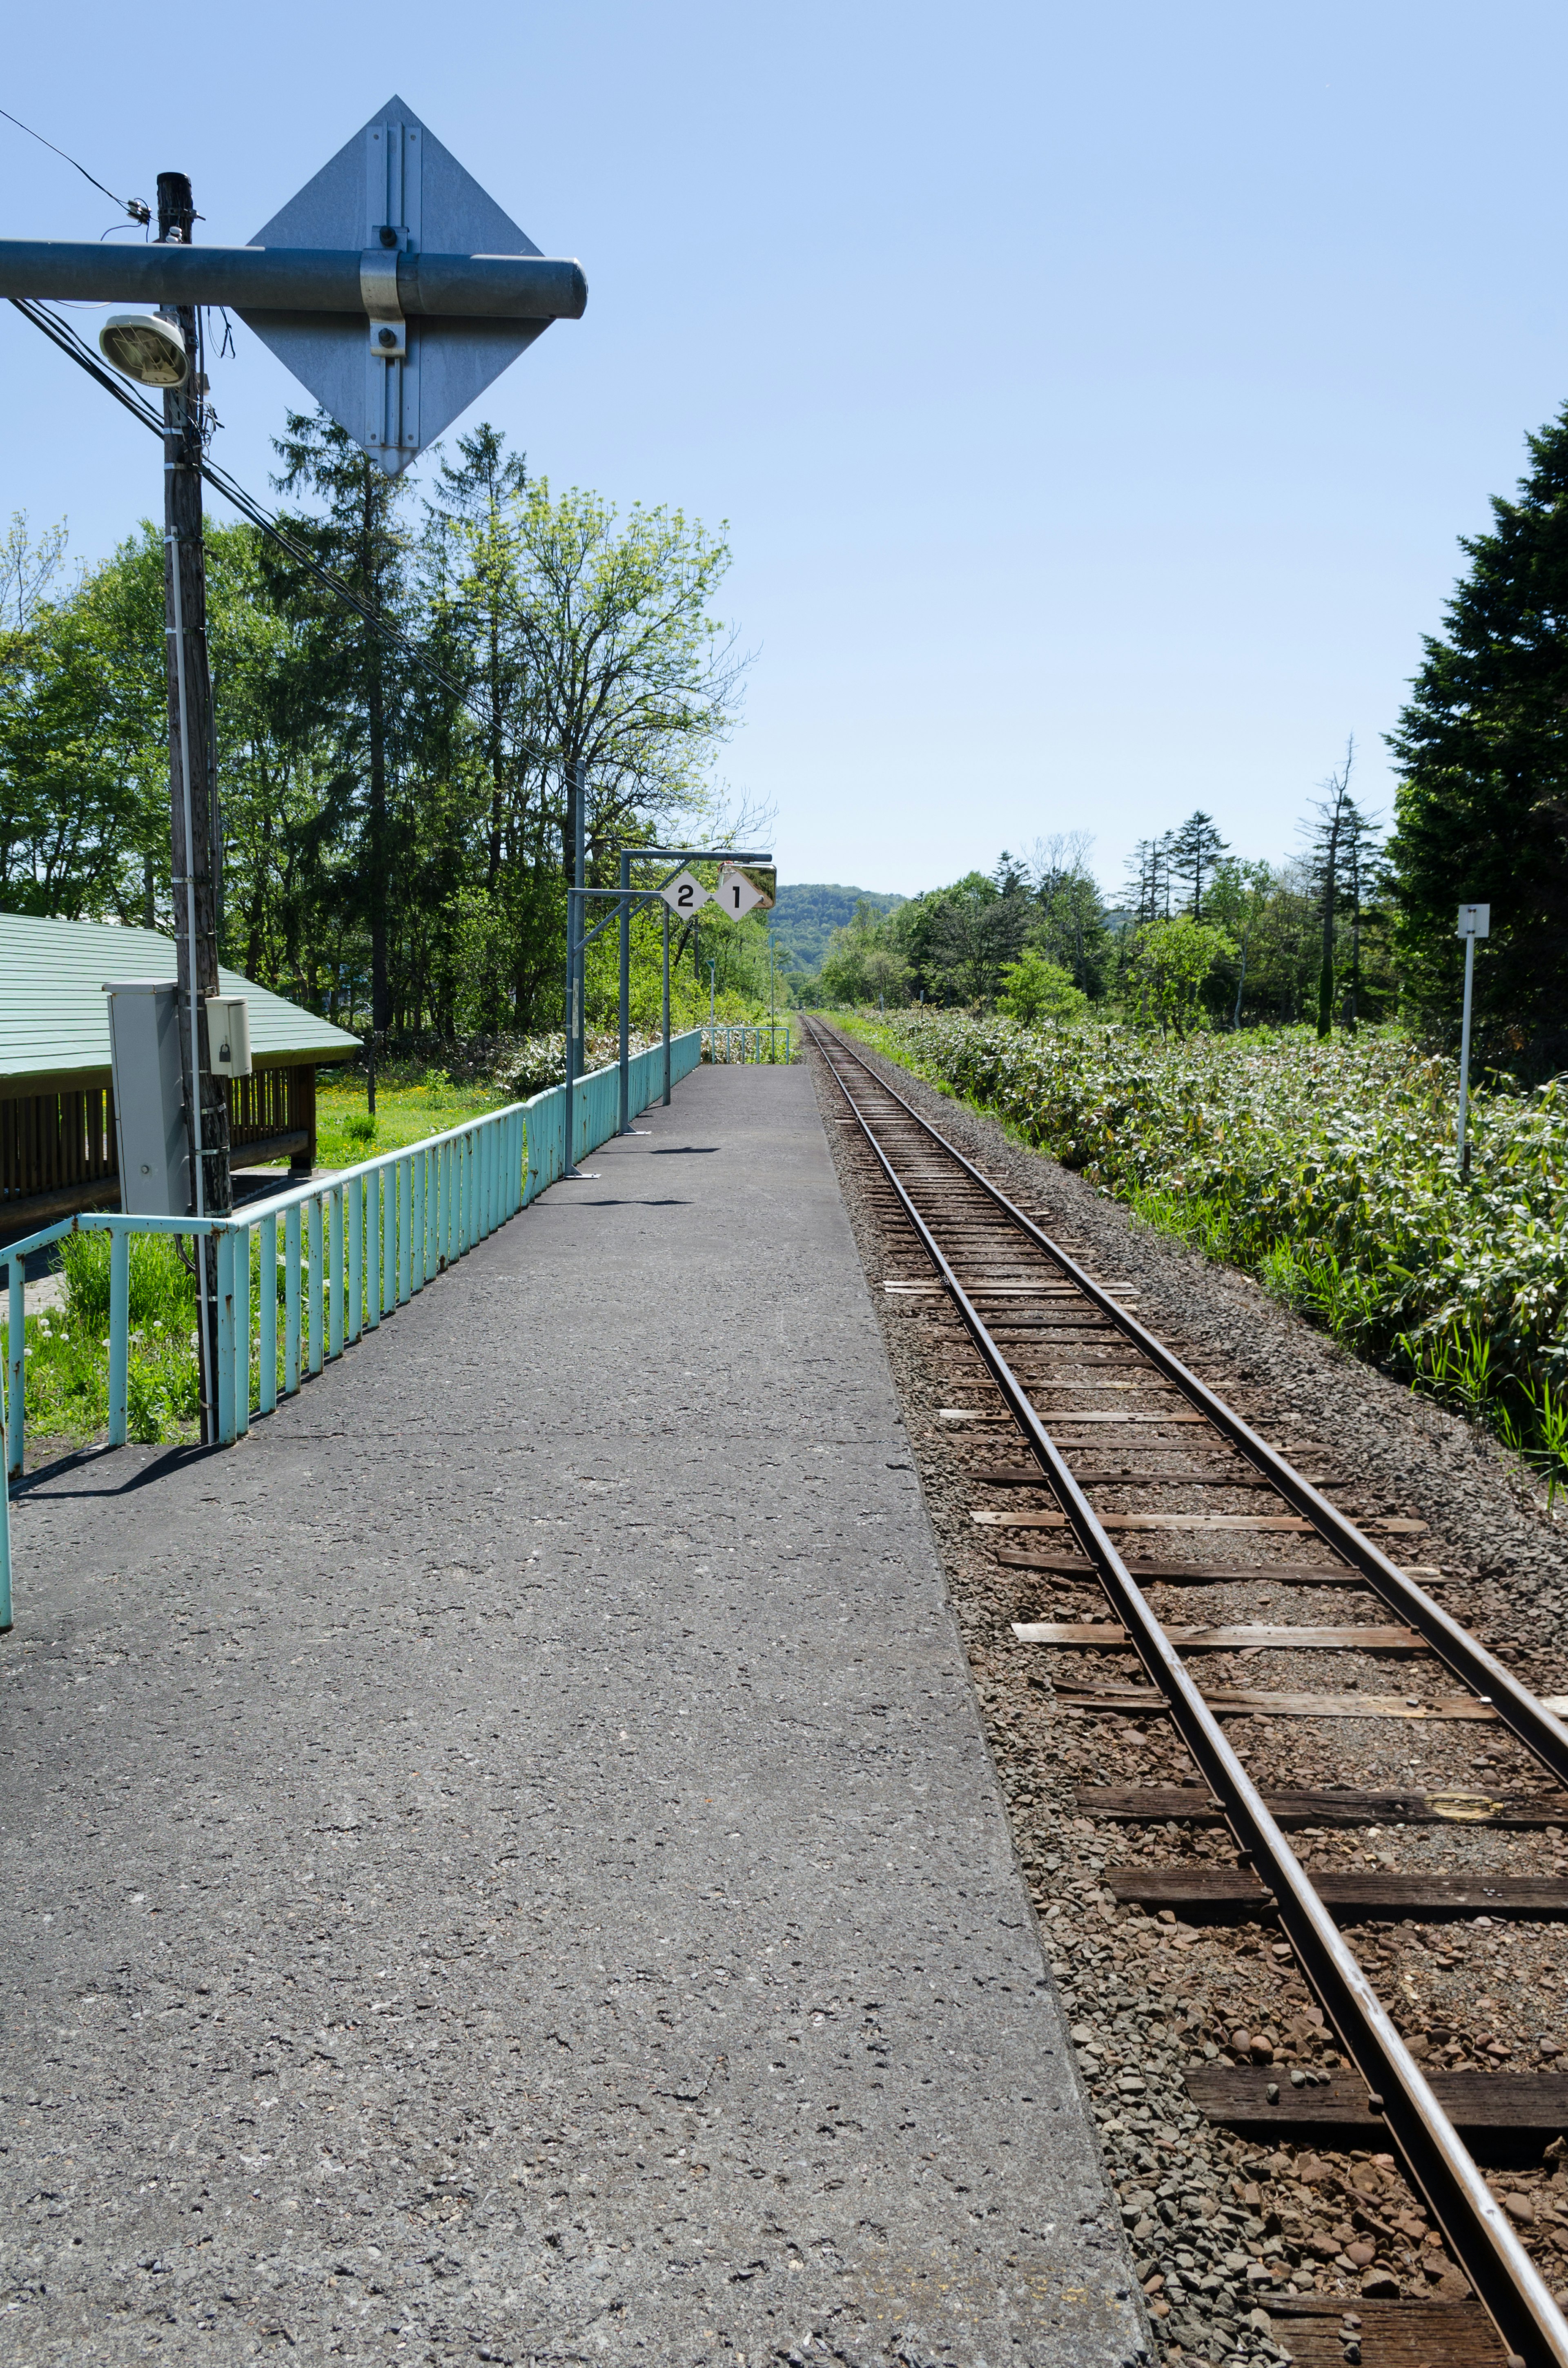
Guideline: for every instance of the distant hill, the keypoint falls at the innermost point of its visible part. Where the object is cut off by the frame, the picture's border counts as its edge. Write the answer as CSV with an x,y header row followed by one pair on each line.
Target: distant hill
x,y
806,914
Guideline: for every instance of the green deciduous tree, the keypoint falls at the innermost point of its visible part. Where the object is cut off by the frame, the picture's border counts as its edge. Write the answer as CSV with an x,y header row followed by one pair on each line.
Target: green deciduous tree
x,y
1170,967
1034,988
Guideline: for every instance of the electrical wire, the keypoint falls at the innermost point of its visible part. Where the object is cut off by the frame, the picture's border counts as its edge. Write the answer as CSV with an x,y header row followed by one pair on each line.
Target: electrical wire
x,y
60,334
137,208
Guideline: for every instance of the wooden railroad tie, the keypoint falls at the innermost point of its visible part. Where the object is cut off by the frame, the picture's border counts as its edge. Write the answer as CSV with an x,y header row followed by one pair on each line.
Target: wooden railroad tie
x,y
1194,1803
1532,2106
1429,2332
1032,1476
1218,1893
1193,1574
1289,1522
1246,1636
1242,1701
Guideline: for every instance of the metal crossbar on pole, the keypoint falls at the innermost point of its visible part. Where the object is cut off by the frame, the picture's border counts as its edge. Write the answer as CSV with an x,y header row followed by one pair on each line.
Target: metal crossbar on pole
x,y
300,279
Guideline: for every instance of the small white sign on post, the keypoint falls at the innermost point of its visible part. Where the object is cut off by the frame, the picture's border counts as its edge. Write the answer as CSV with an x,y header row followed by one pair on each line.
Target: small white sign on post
x,y
737,894
1475,921
685,893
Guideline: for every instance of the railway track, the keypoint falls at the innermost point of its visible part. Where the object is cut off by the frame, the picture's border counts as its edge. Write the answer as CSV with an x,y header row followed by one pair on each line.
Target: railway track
x,y
1084,1403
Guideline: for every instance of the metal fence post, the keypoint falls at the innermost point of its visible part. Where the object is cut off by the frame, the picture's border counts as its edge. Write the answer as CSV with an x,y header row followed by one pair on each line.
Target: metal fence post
x,y
4,1542
15,1353
623,1124
335,1271
118,1331
316,1213
225,1337
267,1292
373,1250
291,1301
416,1224
355,1317
242,1331
389,1239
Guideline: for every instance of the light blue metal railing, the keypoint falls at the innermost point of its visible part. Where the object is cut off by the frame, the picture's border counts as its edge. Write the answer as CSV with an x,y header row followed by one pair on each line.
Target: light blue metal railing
x,y
767,1041
341,1254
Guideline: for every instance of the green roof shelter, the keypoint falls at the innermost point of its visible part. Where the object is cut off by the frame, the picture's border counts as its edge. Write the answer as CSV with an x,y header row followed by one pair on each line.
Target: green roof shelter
x,y
56,1134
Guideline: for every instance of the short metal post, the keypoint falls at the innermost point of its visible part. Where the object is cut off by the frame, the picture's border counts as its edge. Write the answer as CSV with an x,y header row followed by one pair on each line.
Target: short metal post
x,y
667,912
118,1331
267,1351
373,1250
404,1230
389,1239
416,1224
334,1272
242,1331
4,1540
291,1300
1465,1054
16,1356
317,1215
354,1317
624,1123
225,1339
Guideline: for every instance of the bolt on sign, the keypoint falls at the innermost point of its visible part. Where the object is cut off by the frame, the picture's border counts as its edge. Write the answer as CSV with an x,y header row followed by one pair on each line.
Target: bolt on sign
x,y
394,376
392,286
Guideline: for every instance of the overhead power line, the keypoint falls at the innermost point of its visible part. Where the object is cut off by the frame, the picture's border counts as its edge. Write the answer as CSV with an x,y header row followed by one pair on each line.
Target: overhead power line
x,y
137,208
59,333
62,334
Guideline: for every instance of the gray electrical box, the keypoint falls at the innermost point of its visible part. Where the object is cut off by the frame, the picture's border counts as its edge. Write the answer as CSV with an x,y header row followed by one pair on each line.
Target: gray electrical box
x,y
149,1101
228,1036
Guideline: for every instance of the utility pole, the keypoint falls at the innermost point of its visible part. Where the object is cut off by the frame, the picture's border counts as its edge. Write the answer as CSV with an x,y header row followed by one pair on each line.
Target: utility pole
x,y
192,793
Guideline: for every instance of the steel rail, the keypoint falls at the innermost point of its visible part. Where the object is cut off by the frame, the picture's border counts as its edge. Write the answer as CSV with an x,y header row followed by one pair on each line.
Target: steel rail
x,y
1526,1716
1510,2287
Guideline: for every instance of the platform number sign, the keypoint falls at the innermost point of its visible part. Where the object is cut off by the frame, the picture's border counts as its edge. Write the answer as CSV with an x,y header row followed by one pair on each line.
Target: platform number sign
x,y
686,895
737,893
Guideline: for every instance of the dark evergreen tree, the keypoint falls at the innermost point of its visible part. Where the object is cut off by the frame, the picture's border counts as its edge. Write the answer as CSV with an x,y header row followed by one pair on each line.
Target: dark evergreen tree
x,y
1481,750
1192,854
354,679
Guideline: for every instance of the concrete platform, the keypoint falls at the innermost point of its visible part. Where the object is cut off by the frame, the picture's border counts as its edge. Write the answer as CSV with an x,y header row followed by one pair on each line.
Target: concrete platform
x,y
503,1864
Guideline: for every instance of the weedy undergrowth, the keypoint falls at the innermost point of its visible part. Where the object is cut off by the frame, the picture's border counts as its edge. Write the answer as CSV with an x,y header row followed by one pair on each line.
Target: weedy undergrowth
x,y
1325,1170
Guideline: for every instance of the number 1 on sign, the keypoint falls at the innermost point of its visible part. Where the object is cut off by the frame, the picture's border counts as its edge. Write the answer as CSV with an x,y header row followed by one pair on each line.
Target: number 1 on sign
x,y
738,894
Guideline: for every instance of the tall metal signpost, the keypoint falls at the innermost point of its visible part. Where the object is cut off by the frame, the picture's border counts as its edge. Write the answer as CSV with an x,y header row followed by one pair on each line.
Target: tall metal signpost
x,y
396,289
681,893
1475,921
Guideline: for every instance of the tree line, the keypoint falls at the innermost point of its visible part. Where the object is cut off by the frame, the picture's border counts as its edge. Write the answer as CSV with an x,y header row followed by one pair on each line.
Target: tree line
x,y
1356,924
396,813
1196,937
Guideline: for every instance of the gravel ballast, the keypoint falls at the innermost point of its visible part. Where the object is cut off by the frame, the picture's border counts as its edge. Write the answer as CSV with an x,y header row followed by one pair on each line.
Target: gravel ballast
x,y
1223,2227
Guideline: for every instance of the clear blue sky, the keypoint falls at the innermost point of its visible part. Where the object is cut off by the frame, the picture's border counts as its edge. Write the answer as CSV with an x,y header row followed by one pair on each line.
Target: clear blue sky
x,y
1095,395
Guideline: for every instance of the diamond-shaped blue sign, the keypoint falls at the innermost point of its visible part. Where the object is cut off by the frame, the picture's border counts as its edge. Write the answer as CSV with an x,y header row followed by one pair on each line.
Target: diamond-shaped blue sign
x,y
394,384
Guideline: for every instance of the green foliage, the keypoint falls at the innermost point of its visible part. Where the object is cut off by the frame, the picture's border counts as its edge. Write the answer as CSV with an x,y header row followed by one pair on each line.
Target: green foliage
x,y
1481,813
808,912
390,846
1329,1171
1034,989
1169,966
863,961
67,1358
